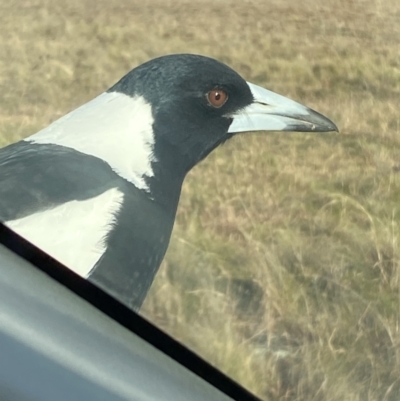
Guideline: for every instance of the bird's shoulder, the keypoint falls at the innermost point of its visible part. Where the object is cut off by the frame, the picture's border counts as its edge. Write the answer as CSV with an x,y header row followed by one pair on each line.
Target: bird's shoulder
x,y
36,177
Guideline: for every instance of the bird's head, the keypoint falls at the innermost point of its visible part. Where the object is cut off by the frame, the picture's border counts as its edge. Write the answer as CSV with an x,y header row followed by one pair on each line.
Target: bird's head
x,y
198,103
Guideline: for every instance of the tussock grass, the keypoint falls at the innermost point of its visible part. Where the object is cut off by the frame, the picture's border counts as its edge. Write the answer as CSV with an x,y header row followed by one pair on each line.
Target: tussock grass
x,y
283,268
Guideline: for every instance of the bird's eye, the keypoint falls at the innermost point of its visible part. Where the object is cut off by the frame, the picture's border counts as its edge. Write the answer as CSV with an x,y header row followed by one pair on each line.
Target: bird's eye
x,y
217,97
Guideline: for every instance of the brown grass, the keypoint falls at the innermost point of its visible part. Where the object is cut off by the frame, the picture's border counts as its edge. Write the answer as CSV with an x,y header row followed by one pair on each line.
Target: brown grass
x,y
284,264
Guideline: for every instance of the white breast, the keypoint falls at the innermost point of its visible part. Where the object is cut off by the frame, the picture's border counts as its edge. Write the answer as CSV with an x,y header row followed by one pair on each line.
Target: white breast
x,y
73,233
113,127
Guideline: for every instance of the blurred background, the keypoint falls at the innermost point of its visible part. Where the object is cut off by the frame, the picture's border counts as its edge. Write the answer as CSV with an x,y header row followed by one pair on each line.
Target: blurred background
x,y
283,269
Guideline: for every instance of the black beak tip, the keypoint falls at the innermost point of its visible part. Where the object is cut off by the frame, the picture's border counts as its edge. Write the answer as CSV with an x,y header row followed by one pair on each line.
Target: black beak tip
x,y
330,126
321,123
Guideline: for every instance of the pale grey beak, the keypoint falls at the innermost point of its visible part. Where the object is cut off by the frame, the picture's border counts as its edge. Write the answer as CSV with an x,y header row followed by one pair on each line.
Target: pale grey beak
x,y
272,112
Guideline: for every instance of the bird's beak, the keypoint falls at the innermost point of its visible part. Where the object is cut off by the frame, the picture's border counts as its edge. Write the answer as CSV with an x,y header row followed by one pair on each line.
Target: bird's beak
x,y
272,112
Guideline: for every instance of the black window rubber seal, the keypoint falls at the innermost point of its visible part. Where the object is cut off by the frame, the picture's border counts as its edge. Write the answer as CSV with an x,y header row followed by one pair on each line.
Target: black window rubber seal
x,y
126,317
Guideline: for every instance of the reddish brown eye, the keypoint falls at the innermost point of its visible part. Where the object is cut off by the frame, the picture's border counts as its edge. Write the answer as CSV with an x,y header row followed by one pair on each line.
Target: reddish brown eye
x,y
217,97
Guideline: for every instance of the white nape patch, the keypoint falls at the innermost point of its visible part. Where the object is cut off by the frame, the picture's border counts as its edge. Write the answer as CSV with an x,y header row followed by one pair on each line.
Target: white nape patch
x,y
113,127
72,233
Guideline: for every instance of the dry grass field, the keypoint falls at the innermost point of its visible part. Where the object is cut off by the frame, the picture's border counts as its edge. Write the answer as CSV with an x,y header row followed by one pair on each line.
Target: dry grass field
x,y
284,266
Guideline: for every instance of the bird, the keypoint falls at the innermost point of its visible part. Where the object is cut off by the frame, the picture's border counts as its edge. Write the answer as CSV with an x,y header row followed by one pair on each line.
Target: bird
x,y
98,189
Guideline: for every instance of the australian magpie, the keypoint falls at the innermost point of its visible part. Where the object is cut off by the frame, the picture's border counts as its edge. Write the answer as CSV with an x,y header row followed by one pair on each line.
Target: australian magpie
x,y
98,189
